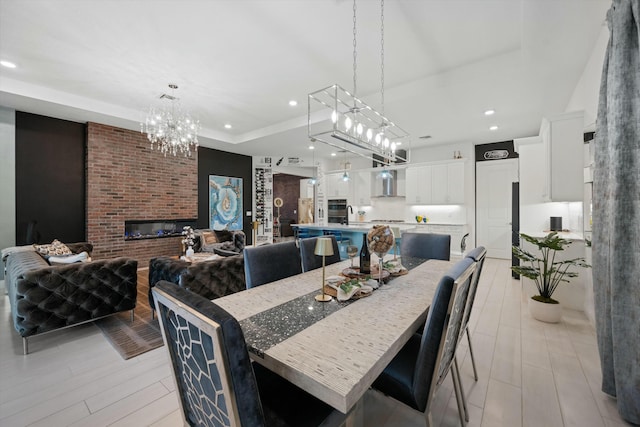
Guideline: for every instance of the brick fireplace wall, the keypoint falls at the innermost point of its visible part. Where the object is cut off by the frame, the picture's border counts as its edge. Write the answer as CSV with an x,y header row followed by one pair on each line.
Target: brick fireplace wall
x,y
126,180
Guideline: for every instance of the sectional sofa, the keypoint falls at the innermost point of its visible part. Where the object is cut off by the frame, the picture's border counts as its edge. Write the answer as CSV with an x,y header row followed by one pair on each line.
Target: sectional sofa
x,y
46,297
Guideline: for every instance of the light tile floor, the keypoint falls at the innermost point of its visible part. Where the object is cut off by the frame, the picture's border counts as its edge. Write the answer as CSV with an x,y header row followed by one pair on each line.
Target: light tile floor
x,y
531,374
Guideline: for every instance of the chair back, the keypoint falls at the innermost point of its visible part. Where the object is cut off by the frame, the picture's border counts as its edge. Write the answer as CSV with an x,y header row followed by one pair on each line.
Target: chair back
x,y
478,254
440,336
311,261
426,245
211,366
268,263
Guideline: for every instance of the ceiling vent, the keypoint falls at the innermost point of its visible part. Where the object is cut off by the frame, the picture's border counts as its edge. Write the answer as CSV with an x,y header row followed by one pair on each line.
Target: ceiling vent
x,y
169,97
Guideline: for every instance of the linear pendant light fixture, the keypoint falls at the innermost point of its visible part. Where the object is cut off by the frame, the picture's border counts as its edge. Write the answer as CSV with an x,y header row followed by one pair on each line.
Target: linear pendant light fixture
x,y
337,116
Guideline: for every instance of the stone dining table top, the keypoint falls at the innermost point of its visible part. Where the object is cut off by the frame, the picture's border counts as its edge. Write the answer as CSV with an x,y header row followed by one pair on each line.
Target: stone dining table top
x,y
333,350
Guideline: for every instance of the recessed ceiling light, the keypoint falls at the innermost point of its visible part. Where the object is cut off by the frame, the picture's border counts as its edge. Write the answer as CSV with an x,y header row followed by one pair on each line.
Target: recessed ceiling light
x,y
333,154
227,126
7,64
494,127
398,143
293,102
489,112
311,147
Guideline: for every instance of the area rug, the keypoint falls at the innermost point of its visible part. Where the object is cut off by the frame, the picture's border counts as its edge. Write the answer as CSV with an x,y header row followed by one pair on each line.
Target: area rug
x,y
133,339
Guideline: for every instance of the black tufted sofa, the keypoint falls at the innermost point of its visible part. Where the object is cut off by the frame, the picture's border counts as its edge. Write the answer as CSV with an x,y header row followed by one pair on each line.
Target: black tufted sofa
x,y
210,279
44,298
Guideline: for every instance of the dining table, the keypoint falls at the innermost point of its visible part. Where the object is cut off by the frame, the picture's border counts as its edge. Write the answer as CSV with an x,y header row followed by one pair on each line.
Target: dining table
x,y
334,350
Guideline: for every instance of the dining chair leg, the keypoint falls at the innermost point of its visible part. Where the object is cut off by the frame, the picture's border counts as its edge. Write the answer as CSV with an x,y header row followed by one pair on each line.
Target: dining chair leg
x,y
473,359
427,418
464,401
456,389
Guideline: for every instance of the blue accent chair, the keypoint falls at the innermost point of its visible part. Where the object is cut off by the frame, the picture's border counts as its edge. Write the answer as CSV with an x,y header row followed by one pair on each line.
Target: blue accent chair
x,y
426,245
421,366
268,263
311,261
216,382
478,254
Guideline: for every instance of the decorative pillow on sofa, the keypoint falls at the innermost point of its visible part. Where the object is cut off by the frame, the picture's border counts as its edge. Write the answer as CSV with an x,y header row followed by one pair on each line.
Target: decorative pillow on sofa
x,y
54,248
69,259
209,238
224,235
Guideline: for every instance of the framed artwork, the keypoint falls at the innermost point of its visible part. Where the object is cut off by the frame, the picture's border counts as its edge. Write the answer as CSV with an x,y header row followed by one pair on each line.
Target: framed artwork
x,y
225,203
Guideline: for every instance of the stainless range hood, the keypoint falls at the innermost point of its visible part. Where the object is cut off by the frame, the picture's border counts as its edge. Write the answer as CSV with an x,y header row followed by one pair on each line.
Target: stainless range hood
x,y
387,187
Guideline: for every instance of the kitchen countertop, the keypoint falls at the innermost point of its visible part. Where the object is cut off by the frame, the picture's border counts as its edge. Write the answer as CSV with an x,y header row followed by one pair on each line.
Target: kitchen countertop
x,y
569,235
368,224
361,226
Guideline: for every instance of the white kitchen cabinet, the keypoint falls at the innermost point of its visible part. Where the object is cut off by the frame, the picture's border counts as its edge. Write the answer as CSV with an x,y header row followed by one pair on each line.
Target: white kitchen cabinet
x,y
418,185
439,184
455,183
562,139
360,188
336,188
436,184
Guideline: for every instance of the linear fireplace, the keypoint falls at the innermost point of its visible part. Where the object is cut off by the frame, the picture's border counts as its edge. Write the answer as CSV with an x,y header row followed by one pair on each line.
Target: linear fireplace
x,y
155,228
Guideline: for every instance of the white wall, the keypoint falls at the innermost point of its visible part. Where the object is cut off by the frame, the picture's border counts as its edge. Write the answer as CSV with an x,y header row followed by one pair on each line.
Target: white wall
x,y
7,179
586,93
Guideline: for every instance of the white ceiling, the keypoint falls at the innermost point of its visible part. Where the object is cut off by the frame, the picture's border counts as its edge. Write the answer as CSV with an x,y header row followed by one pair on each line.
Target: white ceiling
x,y
241,61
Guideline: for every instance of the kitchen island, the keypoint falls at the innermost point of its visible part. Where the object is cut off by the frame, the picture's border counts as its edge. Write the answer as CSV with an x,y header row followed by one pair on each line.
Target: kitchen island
x,y
352,233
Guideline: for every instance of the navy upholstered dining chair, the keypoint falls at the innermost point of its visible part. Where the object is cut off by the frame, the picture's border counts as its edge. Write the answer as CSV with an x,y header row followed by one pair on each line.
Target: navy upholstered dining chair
x,y
426,245
477,254
268,263
216,382
421,366
311,261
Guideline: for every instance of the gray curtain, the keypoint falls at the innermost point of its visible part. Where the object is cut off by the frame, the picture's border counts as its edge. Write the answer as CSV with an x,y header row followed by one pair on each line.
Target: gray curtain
x,y
616,216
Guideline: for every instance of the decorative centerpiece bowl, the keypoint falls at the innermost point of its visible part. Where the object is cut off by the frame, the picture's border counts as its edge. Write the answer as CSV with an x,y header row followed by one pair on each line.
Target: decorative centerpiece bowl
x,y
380,240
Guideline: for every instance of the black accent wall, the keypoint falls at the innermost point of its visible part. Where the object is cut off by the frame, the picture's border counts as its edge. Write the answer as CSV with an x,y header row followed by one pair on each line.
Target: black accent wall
x,y
50,178
222,163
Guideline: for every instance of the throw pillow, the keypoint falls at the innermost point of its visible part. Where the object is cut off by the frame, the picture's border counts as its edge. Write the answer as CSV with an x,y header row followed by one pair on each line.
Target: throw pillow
x,y
224,235
54,248
69,259
209,237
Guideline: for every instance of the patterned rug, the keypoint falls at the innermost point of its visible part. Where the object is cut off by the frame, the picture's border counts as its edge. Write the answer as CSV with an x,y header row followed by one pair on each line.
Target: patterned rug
x,y
133,339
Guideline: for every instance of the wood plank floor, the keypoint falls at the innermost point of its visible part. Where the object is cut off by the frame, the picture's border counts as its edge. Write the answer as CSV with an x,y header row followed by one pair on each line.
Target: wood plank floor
x,y
531,374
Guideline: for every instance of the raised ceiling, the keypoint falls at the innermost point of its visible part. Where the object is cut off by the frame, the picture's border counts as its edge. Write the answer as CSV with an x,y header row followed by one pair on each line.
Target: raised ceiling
x,y
241,61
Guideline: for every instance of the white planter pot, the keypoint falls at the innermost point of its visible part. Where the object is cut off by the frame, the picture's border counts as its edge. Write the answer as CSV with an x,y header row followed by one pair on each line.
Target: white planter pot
x,y
550,313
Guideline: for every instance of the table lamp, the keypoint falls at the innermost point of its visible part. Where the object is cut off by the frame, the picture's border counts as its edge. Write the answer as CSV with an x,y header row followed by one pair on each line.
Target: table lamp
x,y
324,247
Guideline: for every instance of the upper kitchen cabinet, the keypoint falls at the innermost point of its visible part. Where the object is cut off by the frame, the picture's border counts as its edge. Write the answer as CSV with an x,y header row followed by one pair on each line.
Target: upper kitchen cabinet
x,y
336,187
562,139
447,183
418,185
360,188
440,183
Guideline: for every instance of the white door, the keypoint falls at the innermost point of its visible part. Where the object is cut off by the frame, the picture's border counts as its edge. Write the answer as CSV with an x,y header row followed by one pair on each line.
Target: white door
x,y
493,205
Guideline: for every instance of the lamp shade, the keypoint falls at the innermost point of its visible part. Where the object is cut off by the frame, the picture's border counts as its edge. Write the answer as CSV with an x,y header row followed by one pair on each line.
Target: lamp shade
x,y
324,246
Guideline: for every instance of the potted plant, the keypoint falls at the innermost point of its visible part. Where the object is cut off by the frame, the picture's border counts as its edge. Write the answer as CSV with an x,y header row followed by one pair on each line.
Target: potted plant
x,y
546,272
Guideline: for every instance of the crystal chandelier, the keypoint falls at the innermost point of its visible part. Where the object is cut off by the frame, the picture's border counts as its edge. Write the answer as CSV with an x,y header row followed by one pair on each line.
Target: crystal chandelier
x,y
171,130
337,114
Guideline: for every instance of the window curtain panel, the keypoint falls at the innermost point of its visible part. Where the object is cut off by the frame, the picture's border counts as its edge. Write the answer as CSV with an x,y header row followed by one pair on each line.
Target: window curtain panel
x,y
616,216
